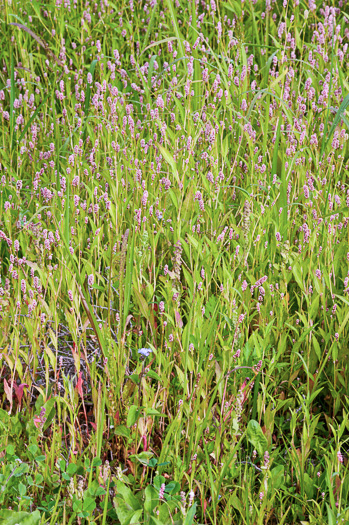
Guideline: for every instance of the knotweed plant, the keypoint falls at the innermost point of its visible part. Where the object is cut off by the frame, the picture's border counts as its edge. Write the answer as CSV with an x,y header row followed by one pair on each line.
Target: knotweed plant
x,y
174,261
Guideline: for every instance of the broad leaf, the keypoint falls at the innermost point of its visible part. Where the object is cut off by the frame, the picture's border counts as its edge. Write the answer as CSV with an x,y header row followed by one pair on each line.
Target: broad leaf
x,y
256,437
10,517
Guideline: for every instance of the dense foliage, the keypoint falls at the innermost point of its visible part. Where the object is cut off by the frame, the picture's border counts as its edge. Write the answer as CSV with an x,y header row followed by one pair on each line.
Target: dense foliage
x,y
174,262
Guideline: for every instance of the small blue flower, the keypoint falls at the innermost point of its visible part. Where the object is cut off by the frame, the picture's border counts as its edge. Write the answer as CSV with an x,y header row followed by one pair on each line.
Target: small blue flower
x,y
145,352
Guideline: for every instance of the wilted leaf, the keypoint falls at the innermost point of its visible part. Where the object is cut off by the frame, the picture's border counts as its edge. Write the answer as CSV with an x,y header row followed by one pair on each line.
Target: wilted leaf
x,y
8,392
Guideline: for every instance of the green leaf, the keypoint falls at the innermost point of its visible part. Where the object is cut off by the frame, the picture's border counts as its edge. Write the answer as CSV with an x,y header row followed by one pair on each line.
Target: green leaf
x,y
135,378
143,457
77,505
142,303
22,489
72,468
155,521
189,519
154,412
22,469
100,491
153,375
151,499
133,415
158,481
128,497
137,517
235,502
89,505
172,487
256,437
170,160
123,511
38,478
331,516
96,462
317,348
4,417
277,476
308,485
121,430
10,517
10,450
150,70
33,449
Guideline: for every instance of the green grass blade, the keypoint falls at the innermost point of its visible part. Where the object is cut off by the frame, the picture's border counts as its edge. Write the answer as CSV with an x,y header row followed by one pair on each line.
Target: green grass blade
x,y
176,28
150,27
128,279
276,150
330,90
340,115
12,96
66,214
32,118
88,96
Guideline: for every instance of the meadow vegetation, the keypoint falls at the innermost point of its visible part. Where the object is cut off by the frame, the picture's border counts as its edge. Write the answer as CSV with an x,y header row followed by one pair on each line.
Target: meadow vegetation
x,y
174,208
